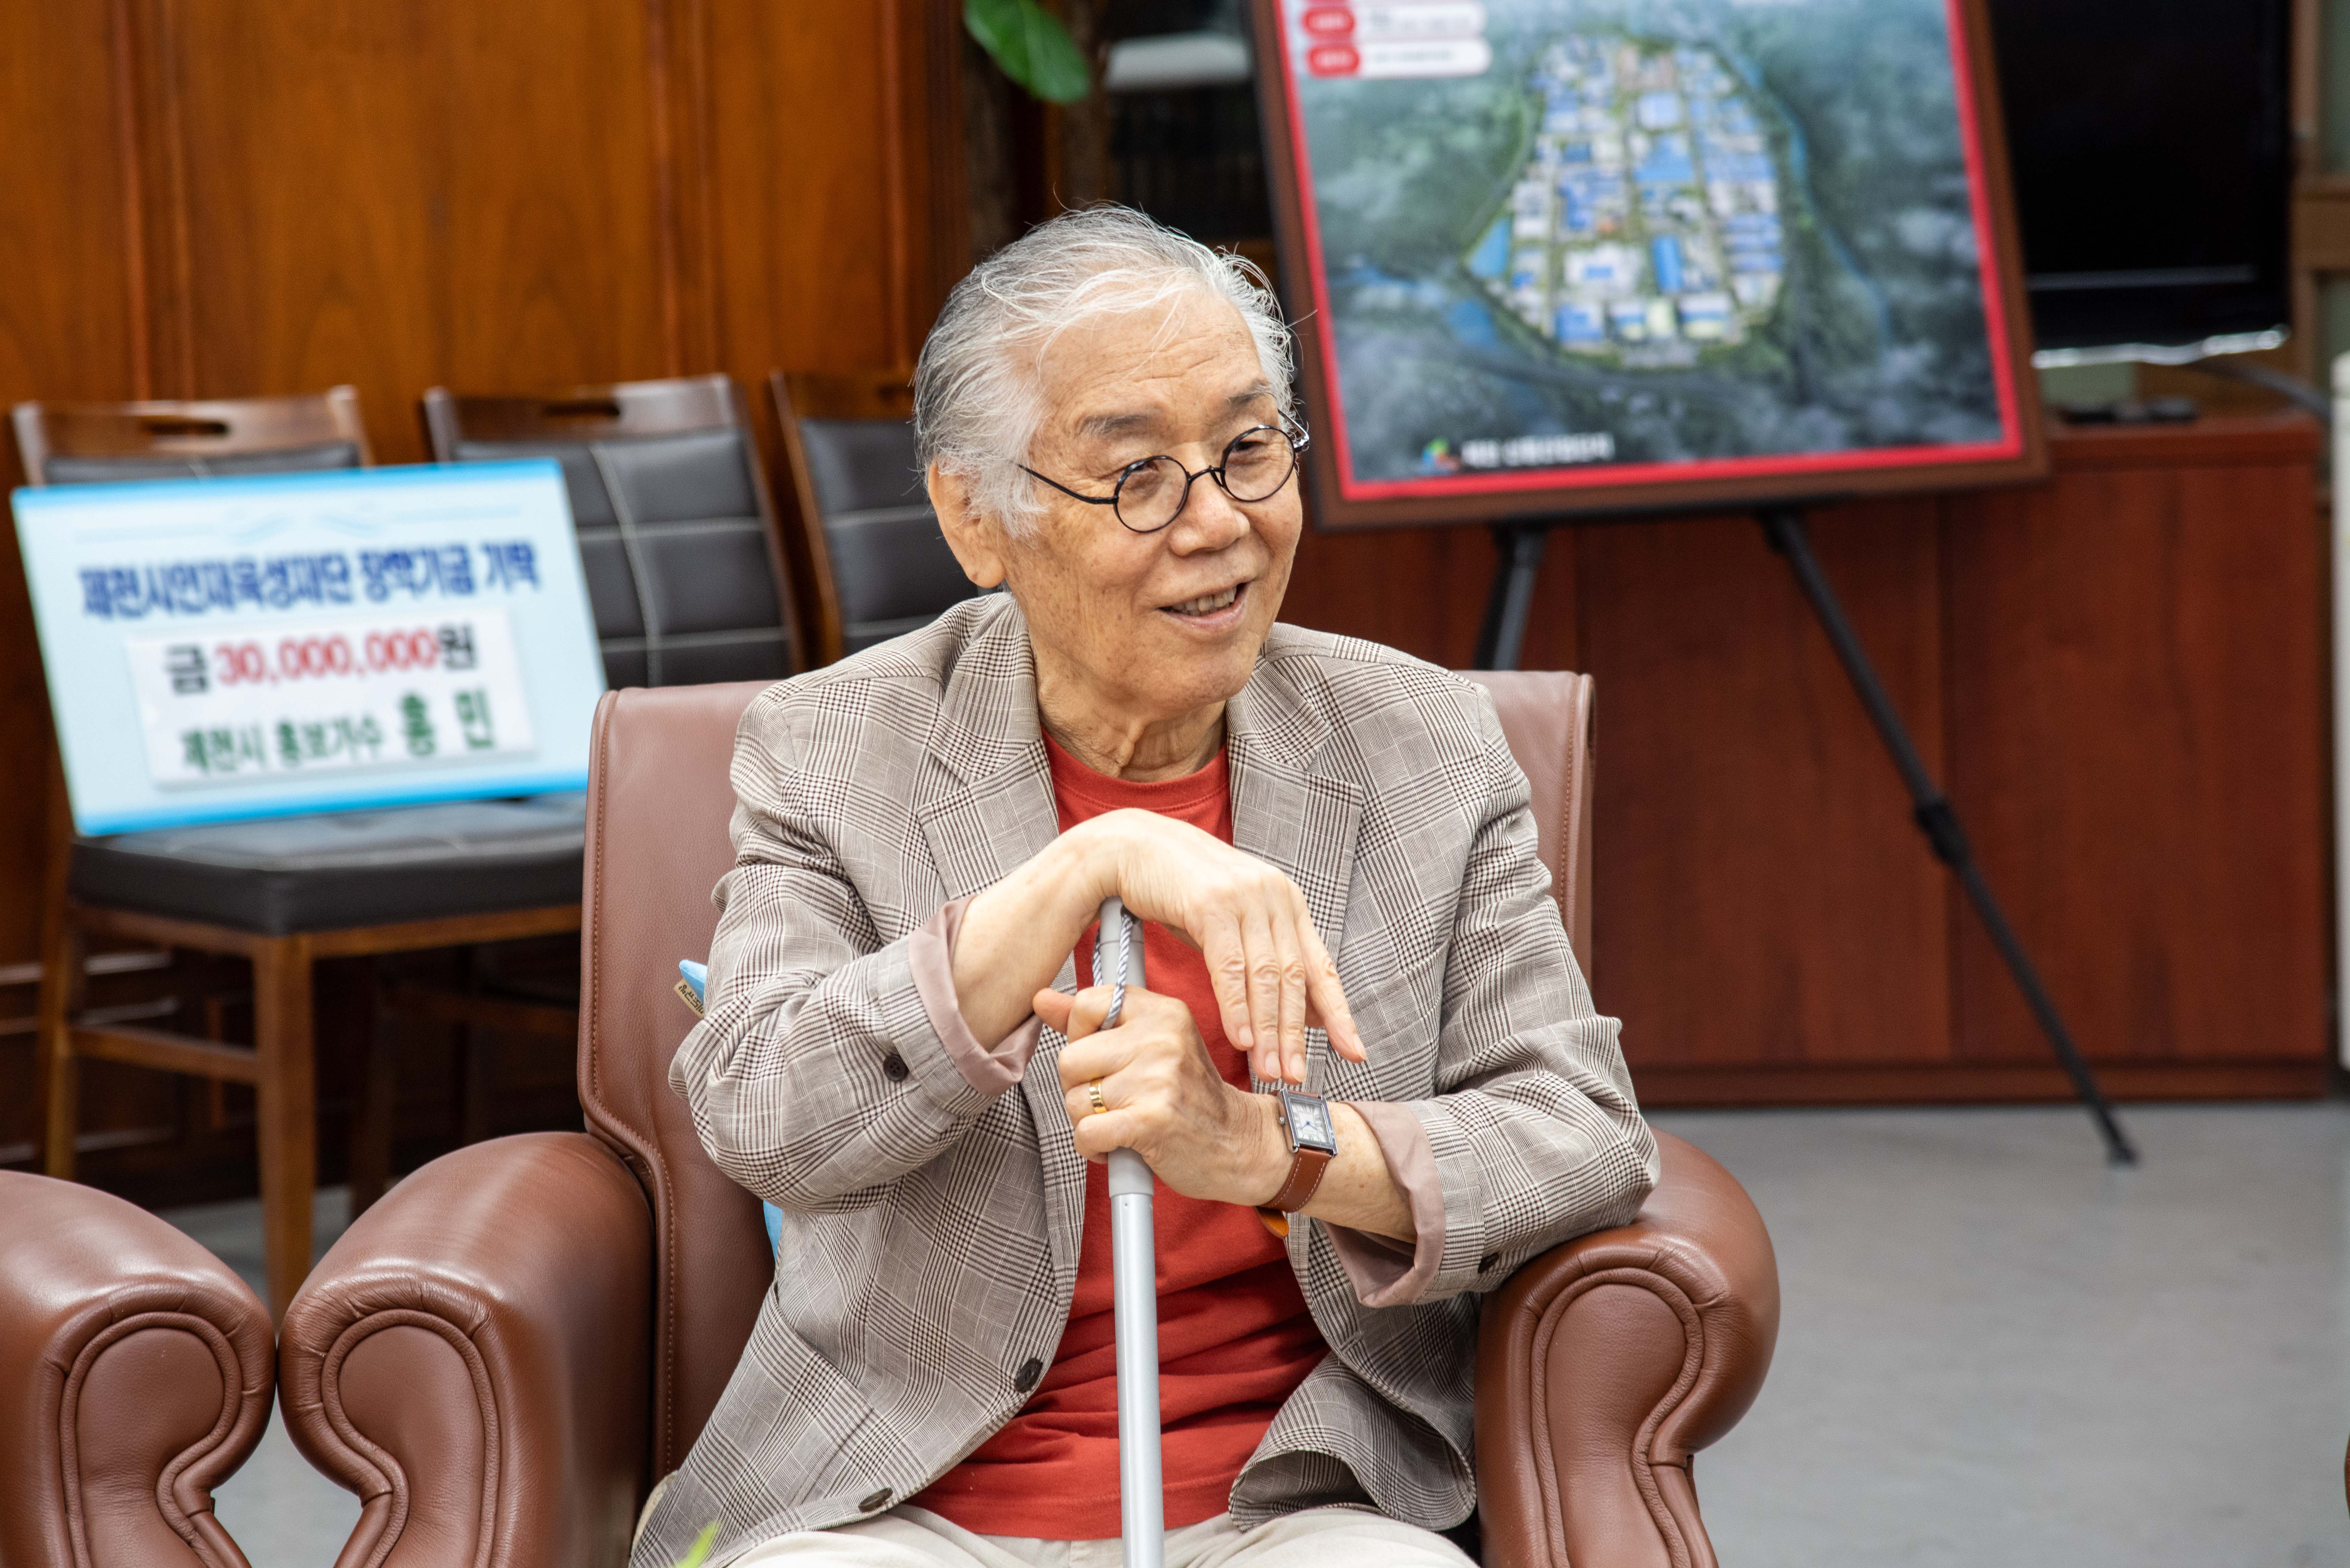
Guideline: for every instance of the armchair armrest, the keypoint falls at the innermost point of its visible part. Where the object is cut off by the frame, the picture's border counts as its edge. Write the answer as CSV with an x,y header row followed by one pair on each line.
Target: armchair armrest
x,y
1606,1362
134,1377
473,1359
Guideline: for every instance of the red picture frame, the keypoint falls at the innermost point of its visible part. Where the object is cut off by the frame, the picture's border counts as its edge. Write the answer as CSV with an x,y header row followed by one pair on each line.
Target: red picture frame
x,y
1343,501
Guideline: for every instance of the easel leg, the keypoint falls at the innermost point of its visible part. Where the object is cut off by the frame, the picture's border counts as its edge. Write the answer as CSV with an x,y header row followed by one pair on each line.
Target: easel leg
x,y
1784,528
1510,604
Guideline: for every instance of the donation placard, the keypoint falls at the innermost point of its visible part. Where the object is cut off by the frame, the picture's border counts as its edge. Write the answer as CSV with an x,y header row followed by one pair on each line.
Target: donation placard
x,y
278,644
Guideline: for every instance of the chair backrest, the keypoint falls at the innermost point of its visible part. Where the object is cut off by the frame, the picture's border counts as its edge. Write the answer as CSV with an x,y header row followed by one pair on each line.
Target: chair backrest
x,y
865,540
84,444
658,804
676,534
1552,723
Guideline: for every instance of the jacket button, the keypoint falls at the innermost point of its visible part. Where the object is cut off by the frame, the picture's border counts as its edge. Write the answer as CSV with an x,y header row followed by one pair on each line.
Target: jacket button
x,y
1485,1264
875,1501
894,1068
1029,1374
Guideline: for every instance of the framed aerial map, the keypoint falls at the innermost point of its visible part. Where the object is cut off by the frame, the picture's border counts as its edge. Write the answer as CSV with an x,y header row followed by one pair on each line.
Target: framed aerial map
x,y
1550,258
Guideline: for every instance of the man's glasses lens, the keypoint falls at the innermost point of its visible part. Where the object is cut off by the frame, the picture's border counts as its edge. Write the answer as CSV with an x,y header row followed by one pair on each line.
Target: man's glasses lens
x,y
1255,464
1151,494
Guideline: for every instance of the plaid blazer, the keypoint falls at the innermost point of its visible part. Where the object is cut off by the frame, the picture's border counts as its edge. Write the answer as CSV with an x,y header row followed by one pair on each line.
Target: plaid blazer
x,y
930,1231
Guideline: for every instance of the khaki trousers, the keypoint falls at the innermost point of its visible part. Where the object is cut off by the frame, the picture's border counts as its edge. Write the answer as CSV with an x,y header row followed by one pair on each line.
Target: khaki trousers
x,y
915,1538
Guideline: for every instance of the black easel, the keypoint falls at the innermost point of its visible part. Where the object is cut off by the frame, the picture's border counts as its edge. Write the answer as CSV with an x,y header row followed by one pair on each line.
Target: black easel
x,y
1503,638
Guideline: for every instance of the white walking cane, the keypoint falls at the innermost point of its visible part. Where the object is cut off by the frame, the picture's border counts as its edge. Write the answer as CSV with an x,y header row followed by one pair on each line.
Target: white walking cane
x,y
1134,1279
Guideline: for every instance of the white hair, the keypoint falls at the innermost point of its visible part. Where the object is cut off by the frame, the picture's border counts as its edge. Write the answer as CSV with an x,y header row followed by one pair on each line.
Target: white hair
x,y
977,401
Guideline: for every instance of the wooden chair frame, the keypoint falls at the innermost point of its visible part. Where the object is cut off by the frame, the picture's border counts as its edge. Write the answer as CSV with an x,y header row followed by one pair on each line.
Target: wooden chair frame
x,y
281,1064
807,395
217,427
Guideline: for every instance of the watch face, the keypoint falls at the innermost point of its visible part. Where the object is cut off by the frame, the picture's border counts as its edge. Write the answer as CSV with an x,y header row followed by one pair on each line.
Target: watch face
x,y
1309,1123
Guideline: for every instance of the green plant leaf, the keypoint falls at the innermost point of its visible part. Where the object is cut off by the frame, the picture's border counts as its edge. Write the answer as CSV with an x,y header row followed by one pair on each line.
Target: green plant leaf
x,y
701,1545
1031,47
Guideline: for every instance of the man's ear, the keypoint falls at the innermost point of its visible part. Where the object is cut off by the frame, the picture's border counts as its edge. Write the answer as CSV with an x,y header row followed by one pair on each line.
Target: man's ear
x,y
976,539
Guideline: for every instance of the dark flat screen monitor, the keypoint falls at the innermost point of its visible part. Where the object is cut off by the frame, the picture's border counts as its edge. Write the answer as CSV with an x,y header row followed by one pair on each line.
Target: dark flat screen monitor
x,y
2151,149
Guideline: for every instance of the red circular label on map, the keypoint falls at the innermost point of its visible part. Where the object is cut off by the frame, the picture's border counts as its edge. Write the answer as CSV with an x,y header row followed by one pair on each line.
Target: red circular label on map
x,y
1334,59
1328,22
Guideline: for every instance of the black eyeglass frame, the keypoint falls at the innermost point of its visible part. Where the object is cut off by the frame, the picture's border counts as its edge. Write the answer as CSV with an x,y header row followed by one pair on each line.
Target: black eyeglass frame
x,y
1298,439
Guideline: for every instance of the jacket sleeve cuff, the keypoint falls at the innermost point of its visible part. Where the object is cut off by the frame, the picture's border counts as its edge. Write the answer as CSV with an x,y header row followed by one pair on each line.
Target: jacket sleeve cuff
x,y
989,1069
1384,1271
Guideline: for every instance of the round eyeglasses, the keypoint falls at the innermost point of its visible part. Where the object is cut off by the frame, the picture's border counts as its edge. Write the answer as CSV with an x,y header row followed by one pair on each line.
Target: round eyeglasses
x,y
1152,493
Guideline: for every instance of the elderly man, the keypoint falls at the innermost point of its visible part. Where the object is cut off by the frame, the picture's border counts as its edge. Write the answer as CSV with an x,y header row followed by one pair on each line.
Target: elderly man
x,y
1367,1073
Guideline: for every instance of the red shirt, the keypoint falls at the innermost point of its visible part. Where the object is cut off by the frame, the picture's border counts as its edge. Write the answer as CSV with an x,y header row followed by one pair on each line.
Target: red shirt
x,y
1235,1337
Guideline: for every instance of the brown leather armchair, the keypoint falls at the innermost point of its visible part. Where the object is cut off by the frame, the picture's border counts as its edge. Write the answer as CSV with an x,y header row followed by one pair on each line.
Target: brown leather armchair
x,y
135,1375
501,1356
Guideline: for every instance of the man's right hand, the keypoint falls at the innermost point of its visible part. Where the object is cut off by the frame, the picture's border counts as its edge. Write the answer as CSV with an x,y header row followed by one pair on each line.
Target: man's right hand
x,y
1270,972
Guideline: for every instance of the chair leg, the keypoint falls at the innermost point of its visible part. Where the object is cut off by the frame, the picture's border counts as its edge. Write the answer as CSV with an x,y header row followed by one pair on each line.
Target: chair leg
x,y
476,1063
371,1125
287,1112
64,982
480,1079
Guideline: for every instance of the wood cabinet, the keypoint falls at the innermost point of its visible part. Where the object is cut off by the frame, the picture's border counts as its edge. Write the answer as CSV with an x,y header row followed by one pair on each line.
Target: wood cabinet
x,y
2120,677
2137,695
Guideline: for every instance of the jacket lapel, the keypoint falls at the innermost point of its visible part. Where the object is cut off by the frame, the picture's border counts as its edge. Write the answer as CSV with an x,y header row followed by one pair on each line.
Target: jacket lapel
x,y
985,804
1288,810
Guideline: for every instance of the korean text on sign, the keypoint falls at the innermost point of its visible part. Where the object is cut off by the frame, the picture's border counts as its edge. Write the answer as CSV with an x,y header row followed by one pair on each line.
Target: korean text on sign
x,y
366,691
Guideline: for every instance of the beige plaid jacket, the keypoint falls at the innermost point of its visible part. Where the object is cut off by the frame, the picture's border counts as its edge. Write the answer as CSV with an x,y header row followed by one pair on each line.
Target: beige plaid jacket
x,y
931,1230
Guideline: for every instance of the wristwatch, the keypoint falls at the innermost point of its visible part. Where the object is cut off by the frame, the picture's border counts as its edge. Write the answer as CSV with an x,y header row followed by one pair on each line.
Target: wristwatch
x,y
1313,1139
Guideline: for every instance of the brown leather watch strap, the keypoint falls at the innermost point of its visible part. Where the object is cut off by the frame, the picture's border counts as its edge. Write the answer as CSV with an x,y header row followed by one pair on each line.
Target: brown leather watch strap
x,y
1305,1168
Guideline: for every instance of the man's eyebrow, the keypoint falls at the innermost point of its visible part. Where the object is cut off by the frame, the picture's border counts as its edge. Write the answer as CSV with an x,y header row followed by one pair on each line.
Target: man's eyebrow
x,y
1109,426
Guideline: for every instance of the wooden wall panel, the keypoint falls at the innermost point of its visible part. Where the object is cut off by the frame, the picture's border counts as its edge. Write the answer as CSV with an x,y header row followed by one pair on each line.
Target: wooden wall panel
x,y
828,124
64,244
66,289
66,223
2139,683
556,271
402,195
1762,896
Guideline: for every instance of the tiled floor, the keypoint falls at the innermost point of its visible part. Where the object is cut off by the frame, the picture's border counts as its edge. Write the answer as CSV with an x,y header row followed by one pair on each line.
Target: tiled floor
x,y
1995,1351
284,1514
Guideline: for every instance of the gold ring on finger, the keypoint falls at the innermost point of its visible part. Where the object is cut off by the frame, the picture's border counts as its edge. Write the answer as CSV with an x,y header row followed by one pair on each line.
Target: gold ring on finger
x,y
1092,1090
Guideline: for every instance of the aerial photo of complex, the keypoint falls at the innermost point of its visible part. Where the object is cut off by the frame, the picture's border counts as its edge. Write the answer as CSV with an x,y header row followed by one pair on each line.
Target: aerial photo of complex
x,y
1646,225
1650,232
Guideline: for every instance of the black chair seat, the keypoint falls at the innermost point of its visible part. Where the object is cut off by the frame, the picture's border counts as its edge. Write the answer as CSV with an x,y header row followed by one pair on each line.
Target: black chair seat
x,y
347,868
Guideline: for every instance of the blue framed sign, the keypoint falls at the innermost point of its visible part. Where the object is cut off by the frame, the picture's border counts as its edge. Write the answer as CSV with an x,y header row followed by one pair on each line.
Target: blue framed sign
x,y
280,644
